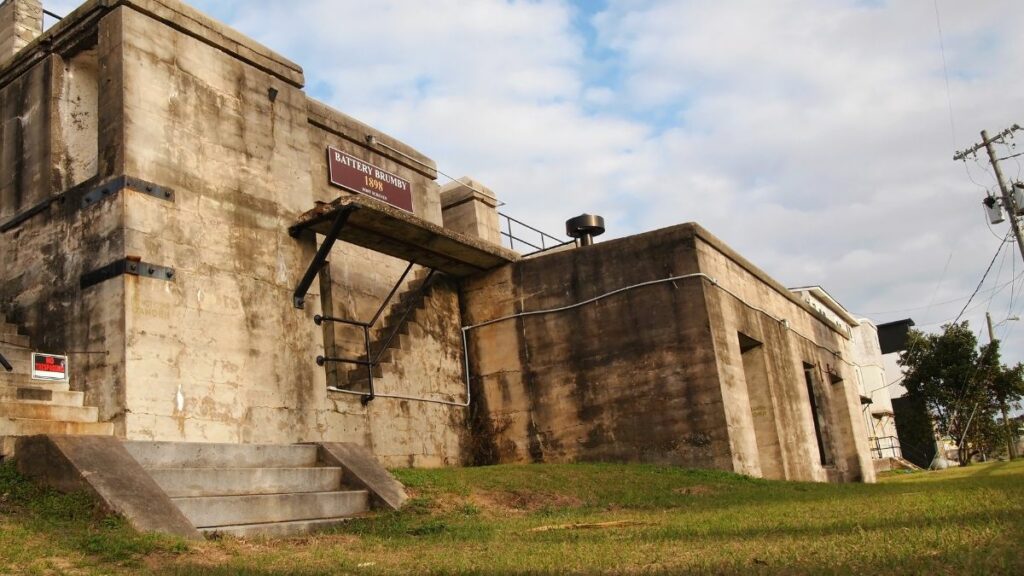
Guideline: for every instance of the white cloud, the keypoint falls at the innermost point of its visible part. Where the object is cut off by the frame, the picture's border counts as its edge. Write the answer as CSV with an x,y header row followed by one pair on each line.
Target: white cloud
x,y
812,135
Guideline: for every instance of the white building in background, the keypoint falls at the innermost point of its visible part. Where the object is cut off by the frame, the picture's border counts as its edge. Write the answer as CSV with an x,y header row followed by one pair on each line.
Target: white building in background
x,y
869,366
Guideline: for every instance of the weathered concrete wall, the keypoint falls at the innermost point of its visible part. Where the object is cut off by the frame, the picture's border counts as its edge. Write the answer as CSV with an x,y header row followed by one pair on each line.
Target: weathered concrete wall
x,y
219,353
659,373
49,240
802,340
216,352
630,378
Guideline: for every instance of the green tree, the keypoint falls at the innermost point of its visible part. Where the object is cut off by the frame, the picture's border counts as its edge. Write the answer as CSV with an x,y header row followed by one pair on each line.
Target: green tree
x,y
1007,387
963,386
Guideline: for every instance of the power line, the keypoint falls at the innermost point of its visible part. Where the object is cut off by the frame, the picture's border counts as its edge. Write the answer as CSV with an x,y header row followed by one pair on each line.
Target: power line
x,y
945,269
999,275
983,277
953,301
945,70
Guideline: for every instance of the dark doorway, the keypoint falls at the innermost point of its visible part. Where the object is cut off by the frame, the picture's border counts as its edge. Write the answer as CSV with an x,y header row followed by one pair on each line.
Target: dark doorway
x,y
817,416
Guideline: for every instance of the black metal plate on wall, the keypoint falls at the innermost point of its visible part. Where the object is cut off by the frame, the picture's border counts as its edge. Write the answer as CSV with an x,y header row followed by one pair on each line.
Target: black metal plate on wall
x,y
126,266
113,187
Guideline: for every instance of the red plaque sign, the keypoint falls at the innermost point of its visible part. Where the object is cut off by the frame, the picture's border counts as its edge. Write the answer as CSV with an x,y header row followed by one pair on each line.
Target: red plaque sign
x,y
351,173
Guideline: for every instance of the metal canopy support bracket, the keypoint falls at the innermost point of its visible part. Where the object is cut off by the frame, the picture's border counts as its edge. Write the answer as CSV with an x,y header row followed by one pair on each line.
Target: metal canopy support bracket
x,y
113,187
130,266
299,296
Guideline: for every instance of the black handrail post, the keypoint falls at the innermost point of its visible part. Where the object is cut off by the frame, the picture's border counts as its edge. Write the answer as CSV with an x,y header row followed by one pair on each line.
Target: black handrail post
x,y
7,365
299,296
369,367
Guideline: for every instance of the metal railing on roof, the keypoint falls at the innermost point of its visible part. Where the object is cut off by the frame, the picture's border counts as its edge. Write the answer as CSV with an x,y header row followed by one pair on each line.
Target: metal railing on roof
x,y
885,447
512,232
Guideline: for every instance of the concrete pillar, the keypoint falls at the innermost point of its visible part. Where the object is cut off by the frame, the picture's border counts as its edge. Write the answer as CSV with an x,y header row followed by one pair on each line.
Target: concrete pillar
x,y
470,208
21,22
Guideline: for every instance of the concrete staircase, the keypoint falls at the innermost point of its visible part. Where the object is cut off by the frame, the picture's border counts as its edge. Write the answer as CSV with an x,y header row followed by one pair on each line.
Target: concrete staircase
x,y
29,407
415,302
249,490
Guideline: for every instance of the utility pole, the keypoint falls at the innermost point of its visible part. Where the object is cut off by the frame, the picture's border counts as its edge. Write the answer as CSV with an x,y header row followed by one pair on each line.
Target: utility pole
x,y
1011,452
1009,204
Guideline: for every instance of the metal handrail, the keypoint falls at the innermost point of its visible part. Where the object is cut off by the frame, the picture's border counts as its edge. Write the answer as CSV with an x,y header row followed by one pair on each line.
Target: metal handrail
x,y
547,241
371,358
893,446
405,314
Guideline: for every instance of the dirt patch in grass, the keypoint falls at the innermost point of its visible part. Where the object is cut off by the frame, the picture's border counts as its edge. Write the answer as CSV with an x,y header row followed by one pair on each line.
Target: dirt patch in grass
x,y
698,490
590,526
522,501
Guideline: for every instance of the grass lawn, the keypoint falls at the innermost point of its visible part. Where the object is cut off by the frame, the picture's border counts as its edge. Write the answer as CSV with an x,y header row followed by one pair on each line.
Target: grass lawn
x,y
556,519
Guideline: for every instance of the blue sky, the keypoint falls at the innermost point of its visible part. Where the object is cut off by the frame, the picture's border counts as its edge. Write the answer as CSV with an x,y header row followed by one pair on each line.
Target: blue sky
x,y
814,136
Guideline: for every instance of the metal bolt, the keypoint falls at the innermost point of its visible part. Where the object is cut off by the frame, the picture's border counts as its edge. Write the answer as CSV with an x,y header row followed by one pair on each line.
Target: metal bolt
x,y
152,270
170,274
167,194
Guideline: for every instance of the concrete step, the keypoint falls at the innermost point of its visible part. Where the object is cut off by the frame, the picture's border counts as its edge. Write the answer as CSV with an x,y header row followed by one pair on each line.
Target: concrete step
x,y
31,427
275,529
6,328
379,371
20,358
212,511
37,411
359,381
199,455
14,380
196,482
31,394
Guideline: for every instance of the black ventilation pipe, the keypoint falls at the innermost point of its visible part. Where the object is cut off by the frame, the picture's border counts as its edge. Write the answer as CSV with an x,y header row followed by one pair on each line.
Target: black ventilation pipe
x,y
585,228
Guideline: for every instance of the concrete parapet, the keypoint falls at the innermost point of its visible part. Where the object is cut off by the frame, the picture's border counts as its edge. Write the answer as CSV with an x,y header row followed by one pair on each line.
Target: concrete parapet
x,y
470,208
21,22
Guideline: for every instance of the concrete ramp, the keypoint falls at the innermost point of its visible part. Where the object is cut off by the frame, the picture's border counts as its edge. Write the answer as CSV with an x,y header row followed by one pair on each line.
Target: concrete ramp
x,y
100,465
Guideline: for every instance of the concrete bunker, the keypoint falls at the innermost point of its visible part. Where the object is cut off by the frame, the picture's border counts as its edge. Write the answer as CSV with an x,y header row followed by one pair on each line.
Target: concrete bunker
x,y
184,210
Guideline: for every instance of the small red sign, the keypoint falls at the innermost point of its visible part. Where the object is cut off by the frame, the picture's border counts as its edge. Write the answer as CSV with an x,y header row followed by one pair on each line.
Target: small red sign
x,y
49,367
351,173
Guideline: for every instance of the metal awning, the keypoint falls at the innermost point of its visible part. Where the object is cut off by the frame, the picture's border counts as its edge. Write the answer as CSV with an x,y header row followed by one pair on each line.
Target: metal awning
x,y
382,228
